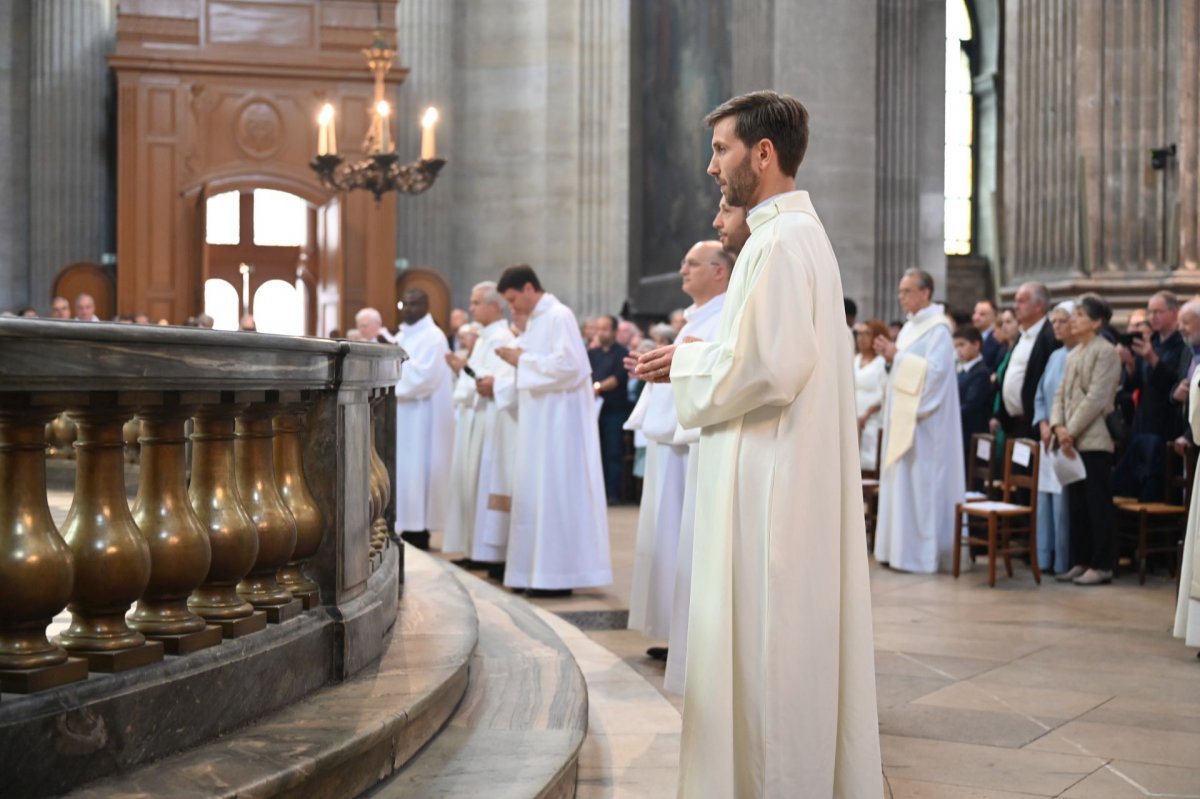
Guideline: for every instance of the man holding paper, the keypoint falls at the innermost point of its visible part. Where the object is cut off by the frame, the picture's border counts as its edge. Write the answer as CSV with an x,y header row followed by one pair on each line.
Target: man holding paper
x,y
923,475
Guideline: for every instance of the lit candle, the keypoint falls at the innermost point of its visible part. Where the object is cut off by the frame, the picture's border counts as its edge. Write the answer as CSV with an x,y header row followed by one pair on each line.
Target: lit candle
x,y
382,111
326,139
428,120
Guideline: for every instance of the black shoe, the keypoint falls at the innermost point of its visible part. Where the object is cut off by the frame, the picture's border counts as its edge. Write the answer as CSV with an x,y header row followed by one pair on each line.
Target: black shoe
x,y
548,593
465,563
657,652
495,571
418,538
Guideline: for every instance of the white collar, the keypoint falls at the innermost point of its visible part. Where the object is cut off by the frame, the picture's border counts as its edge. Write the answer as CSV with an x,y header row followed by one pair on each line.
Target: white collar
x,y
417,326
494,326
547,302
1035,329
695,313
969,365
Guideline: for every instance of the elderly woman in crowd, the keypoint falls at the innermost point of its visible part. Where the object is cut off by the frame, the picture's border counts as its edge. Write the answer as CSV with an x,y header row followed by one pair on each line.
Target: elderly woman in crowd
x,y
1054,535
1083,399
870,384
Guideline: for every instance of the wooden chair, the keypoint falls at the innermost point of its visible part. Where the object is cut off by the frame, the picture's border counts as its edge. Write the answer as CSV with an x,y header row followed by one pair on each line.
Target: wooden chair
x,y
980,483
1157,527
1005,520
870,488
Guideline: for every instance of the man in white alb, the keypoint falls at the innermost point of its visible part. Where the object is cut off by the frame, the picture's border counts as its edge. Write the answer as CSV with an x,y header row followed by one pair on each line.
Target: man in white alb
x,y
923,474
558,535
705,270
474,463
780,698
424,424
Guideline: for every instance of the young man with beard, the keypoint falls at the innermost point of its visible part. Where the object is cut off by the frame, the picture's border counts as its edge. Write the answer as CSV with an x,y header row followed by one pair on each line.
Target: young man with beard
x,y
780,698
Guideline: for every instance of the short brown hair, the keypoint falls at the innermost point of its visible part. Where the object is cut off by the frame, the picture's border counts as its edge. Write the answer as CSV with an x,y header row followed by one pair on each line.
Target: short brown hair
x,y
768,115
518,277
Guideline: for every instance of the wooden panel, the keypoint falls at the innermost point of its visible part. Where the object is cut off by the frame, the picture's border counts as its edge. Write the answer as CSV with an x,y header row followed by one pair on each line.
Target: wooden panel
x,y
160,111
87,278
261,24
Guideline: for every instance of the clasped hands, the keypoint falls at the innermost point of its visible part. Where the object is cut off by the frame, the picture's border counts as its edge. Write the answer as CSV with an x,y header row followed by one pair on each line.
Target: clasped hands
x,y
655,366
510,355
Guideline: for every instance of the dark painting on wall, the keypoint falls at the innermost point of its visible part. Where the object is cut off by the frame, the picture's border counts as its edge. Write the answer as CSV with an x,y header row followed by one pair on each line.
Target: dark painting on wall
x,y
681,72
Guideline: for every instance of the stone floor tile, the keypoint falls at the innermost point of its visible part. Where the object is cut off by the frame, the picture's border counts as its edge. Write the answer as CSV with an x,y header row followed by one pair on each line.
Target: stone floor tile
x,y
1010,730
1037,702
1115,741
973,766
912,789
897,689
1126,780
603,753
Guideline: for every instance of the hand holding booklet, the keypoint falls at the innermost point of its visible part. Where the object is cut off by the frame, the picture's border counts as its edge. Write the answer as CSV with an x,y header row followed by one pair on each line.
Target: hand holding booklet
x,y
1067,468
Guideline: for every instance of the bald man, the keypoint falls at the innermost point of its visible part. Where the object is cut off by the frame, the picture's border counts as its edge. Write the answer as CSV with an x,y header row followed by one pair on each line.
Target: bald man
x,y
85,308
424,424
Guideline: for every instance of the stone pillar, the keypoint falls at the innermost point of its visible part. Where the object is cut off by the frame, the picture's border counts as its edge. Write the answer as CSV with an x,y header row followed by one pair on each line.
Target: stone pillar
x,y
540,146
71,196
1188,110
908,149
14,156
425,45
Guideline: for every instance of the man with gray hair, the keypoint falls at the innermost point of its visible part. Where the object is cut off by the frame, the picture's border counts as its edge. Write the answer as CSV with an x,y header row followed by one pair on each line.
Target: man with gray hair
x,y
1163,360
922,475
1025,365
369,323
485,441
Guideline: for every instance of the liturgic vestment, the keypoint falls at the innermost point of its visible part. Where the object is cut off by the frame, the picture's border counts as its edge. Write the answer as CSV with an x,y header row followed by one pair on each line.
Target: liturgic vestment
x,y
653,588
1187,610
497,461
558,536
424,428
920,483
780,699
700,322
475,415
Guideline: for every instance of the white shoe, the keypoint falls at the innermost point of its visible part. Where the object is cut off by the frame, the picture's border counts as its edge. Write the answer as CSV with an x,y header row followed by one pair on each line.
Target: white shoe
x,y
1094,577
1070,574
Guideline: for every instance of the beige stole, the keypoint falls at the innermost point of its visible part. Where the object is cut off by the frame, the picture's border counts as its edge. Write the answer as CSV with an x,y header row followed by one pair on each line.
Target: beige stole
x,y
907,381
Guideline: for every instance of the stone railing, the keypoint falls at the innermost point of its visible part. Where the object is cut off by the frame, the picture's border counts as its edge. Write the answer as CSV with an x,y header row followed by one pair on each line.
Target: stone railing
x,y
259,532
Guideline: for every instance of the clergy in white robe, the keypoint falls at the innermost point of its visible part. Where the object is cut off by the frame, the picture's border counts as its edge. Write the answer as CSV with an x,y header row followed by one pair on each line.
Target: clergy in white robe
x,y
922,473
705,271
701,323
1187,609
474,419
558,533
424,423
780,697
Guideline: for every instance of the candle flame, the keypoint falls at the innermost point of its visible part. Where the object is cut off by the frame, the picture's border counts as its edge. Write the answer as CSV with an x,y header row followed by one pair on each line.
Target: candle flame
x,y
326,115
429,118
382,108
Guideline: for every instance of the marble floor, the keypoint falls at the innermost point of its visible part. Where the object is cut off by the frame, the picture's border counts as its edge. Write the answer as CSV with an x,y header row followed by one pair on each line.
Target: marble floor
x,y
1017,691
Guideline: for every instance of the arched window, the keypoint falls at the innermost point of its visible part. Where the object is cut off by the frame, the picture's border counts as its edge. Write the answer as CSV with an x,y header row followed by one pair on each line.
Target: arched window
x,y
221,303
222,217
280,219
279,308
960,130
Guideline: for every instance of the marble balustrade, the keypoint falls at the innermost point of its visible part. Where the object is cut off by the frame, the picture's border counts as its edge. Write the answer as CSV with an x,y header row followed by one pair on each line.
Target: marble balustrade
x,y
273,503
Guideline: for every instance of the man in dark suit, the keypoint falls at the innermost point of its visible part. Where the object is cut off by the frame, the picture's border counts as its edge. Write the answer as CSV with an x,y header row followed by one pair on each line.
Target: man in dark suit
x,y
974,385
1162,362
984,319
1030,352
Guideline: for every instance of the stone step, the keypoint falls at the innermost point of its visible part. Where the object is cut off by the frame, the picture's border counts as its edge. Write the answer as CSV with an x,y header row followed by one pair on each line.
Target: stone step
x,y
519,728
341,740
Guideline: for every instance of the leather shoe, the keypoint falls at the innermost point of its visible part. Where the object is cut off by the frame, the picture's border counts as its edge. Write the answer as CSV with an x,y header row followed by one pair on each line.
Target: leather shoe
x,y
1094,577
657,652
1070,574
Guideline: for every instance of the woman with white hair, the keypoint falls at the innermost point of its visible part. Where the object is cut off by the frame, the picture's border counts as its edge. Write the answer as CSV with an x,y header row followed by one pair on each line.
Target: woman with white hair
x,y
1053,525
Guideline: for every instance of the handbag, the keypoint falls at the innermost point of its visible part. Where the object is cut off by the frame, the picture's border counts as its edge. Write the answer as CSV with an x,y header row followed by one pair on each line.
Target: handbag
x,y
1117,428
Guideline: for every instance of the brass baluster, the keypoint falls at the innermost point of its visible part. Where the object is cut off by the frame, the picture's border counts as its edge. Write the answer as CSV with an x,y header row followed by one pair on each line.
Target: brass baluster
x,y
112,560
36,567
233,538
289,473
255,465
180,552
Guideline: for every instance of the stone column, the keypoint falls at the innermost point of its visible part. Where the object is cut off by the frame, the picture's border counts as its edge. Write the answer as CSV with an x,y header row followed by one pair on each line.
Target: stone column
x,y
14,156
425,45
908,149
71,152
540,146
1188,104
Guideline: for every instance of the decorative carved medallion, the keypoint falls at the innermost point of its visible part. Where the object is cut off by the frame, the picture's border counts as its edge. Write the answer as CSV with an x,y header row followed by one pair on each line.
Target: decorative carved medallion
x,y
259,129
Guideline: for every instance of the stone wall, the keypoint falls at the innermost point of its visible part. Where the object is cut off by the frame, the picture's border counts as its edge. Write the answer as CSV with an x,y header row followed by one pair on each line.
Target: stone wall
x,y
14,155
